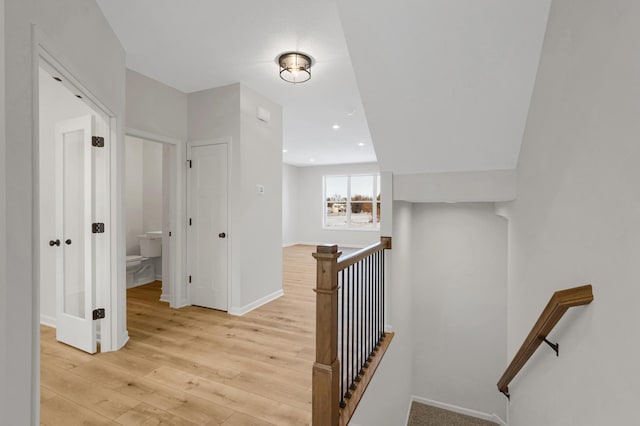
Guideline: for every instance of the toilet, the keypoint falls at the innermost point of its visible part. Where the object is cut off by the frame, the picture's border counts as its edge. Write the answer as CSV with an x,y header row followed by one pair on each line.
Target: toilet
x,y
141,268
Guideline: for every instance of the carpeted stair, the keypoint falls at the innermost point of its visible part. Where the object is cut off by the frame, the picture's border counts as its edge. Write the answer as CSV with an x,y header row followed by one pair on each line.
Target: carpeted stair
x,y
426,415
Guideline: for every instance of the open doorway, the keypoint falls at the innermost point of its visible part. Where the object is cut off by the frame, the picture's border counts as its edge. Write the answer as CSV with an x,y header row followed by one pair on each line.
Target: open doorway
x,y
148,215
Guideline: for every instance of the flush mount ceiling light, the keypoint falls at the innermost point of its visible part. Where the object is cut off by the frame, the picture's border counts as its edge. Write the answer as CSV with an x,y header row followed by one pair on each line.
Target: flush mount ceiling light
x,y
295,67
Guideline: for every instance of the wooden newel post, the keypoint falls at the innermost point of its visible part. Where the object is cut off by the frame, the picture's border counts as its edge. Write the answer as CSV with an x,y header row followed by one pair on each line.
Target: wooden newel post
x,y
326,369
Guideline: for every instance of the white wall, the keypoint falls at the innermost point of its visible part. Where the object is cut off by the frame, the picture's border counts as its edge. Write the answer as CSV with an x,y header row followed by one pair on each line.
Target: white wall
x,y
289,204
255,232
144,190
151,186
261,164
386,400
134,193
155,108
3,253
80,36
459,282
458,187
310,207
576,219
57,104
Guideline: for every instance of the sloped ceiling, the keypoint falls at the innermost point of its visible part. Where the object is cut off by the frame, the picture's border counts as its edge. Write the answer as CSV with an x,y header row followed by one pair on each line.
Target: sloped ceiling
x,y
445,84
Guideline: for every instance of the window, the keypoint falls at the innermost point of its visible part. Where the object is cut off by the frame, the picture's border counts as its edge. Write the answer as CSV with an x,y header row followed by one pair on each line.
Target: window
x,y
352,202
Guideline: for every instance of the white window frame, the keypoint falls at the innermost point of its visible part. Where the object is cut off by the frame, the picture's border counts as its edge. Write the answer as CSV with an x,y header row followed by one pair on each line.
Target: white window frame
x,y
374,211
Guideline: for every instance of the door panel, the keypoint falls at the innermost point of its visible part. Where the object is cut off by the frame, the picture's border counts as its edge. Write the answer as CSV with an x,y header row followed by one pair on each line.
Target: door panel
x,y
207,242
75,283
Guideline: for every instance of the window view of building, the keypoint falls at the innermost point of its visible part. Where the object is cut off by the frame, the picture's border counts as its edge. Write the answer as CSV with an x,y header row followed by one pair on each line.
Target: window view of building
x,y
352,201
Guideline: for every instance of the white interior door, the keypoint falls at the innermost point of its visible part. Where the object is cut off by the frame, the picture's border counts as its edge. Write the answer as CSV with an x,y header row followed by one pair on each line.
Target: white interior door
x,y
75,280
207,226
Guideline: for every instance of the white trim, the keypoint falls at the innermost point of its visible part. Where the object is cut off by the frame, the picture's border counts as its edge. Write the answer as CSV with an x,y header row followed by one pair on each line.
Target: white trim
x,y
460,410
256,304
47,320
288,244
165,298
124,338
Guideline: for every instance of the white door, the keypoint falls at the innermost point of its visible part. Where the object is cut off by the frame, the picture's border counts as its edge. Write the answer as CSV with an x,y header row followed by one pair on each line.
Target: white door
x,y
207,226
75,281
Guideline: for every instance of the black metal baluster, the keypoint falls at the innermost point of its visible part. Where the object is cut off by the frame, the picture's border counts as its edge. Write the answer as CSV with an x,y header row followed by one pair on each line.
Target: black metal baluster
x,y
342,360
361,311
371,306
365,280
353,326
377,303
383,295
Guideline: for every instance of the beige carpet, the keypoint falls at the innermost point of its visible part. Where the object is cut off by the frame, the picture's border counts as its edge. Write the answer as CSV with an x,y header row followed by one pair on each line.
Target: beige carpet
x,y
426,415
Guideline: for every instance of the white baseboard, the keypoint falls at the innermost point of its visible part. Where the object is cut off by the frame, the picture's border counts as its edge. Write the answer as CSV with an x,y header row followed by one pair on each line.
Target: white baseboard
x,y
165,298
182,304
289,244
158,277
239,311
460,410
48,321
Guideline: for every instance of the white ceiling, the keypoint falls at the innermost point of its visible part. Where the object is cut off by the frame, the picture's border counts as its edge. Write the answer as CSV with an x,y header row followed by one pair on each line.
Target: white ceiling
x,y
446,85
199,44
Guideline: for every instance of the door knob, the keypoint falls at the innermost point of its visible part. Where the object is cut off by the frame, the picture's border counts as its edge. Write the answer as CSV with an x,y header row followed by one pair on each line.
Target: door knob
x,y
54,243
222,235
68,242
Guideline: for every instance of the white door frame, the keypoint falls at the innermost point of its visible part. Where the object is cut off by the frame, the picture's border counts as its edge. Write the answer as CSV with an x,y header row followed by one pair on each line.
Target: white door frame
x,y
177,194
230,233
42,50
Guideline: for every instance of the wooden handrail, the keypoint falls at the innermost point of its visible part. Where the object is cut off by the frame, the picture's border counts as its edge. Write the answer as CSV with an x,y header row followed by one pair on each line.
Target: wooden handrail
x,y
357,256
559,303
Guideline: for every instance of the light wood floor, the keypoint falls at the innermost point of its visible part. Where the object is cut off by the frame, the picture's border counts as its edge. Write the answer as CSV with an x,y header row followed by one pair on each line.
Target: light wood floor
x,y
193,365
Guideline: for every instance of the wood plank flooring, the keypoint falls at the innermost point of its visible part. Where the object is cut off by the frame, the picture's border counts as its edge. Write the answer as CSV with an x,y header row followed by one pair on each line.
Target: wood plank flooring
x,y
192,366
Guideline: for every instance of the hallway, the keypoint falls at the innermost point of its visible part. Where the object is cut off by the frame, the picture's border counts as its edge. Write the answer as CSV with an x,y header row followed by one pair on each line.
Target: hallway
x,y
193,365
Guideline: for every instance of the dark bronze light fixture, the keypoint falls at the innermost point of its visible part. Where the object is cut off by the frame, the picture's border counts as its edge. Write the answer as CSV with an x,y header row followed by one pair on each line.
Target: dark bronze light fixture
x,y
295,67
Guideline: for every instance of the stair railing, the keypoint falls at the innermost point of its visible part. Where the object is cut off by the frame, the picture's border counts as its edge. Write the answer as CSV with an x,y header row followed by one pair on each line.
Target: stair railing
x,y
350,335
559,303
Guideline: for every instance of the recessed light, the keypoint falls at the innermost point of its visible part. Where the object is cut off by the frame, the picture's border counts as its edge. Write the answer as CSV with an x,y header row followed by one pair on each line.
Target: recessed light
x,y
360,143
285,150
312,160
335,126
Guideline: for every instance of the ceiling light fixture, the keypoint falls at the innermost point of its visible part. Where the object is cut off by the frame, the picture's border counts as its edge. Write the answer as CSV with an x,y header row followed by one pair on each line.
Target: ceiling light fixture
x,y
361,144
285,150
335,126
295,67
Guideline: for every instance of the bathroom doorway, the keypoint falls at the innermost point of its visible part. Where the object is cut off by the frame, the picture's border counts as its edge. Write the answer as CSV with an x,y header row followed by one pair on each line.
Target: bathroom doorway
x,y
152,199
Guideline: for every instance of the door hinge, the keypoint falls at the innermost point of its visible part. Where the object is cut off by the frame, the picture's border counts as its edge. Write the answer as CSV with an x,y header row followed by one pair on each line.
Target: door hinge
x,y
190,222
98,314
97,228
190,163
169,233
189,279
97,141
